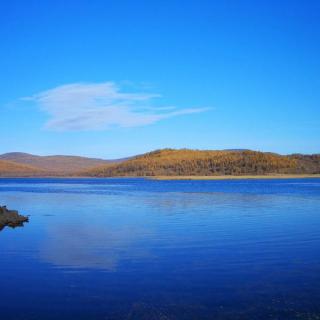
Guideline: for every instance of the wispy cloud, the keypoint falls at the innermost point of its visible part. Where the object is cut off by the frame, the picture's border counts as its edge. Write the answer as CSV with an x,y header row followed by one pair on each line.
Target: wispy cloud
x,y
100,106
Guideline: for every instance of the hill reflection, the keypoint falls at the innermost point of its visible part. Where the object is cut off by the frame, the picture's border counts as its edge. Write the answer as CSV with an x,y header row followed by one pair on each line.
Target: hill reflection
x,y
94,246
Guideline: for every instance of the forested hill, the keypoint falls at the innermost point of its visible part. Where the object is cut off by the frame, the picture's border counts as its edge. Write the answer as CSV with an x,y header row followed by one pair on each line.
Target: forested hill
x,y
12,169
184,162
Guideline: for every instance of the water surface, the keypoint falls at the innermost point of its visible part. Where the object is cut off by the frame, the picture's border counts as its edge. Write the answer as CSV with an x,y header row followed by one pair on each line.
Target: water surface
x,y
143,249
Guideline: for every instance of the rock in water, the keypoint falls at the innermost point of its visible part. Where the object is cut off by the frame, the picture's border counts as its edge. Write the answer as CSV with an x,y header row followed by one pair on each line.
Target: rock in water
x,y
11,218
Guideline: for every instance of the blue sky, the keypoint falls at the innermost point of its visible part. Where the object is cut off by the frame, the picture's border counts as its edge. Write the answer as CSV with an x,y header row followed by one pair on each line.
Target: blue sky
x,y
116,78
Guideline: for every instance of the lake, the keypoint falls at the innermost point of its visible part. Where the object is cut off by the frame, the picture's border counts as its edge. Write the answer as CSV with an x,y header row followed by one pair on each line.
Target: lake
x,y
146,249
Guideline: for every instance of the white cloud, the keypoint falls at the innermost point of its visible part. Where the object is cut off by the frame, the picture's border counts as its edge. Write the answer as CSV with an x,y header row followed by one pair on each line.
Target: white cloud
x,y
99,106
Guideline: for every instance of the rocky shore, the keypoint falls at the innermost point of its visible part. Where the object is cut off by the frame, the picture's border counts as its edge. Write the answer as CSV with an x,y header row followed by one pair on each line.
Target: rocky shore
x,y
11,218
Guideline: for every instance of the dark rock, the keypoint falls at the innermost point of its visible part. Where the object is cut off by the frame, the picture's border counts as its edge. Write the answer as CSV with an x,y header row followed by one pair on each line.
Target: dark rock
x,y
11,218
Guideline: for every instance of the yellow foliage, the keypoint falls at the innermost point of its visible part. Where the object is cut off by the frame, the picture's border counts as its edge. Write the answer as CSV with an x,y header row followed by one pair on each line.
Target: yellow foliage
x,y
184,162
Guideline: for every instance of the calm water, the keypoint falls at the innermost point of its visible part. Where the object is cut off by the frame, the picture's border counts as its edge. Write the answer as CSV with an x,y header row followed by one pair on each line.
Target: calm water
x,y
142,249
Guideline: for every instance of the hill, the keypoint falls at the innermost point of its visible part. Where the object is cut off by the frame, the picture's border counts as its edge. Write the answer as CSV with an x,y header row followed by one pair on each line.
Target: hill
x,y
58,164
12,169
170,162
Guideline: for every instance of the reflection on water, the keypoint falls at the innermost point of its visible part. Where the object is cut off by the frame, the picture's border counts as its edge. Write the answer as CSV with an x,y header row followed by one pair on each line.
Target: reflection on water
x,y
92,246
2,226
141,249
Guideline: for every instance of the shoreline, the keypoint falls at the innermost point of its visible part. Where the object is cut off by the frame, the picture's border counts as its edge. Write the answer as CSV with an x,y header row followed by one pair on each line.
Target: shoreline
x,y
244,177
226,177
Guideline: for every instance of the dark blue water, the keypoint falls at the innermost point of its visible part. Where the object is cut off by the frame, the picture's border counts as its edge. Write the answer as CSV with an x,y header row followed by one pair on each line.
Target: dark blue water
x,y
143,249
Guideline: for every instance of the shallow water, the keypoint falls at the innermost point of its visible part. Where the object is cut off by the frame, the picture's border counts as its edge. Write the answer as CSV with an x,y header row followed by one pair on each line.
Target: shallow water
x,y
143,249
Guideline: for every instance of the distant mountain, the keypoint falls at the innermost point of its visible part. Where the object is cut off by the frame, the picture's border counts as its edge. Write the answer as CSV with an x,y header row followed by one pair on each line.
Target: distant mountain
x,y
57,164
165,162
12,169
170,162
